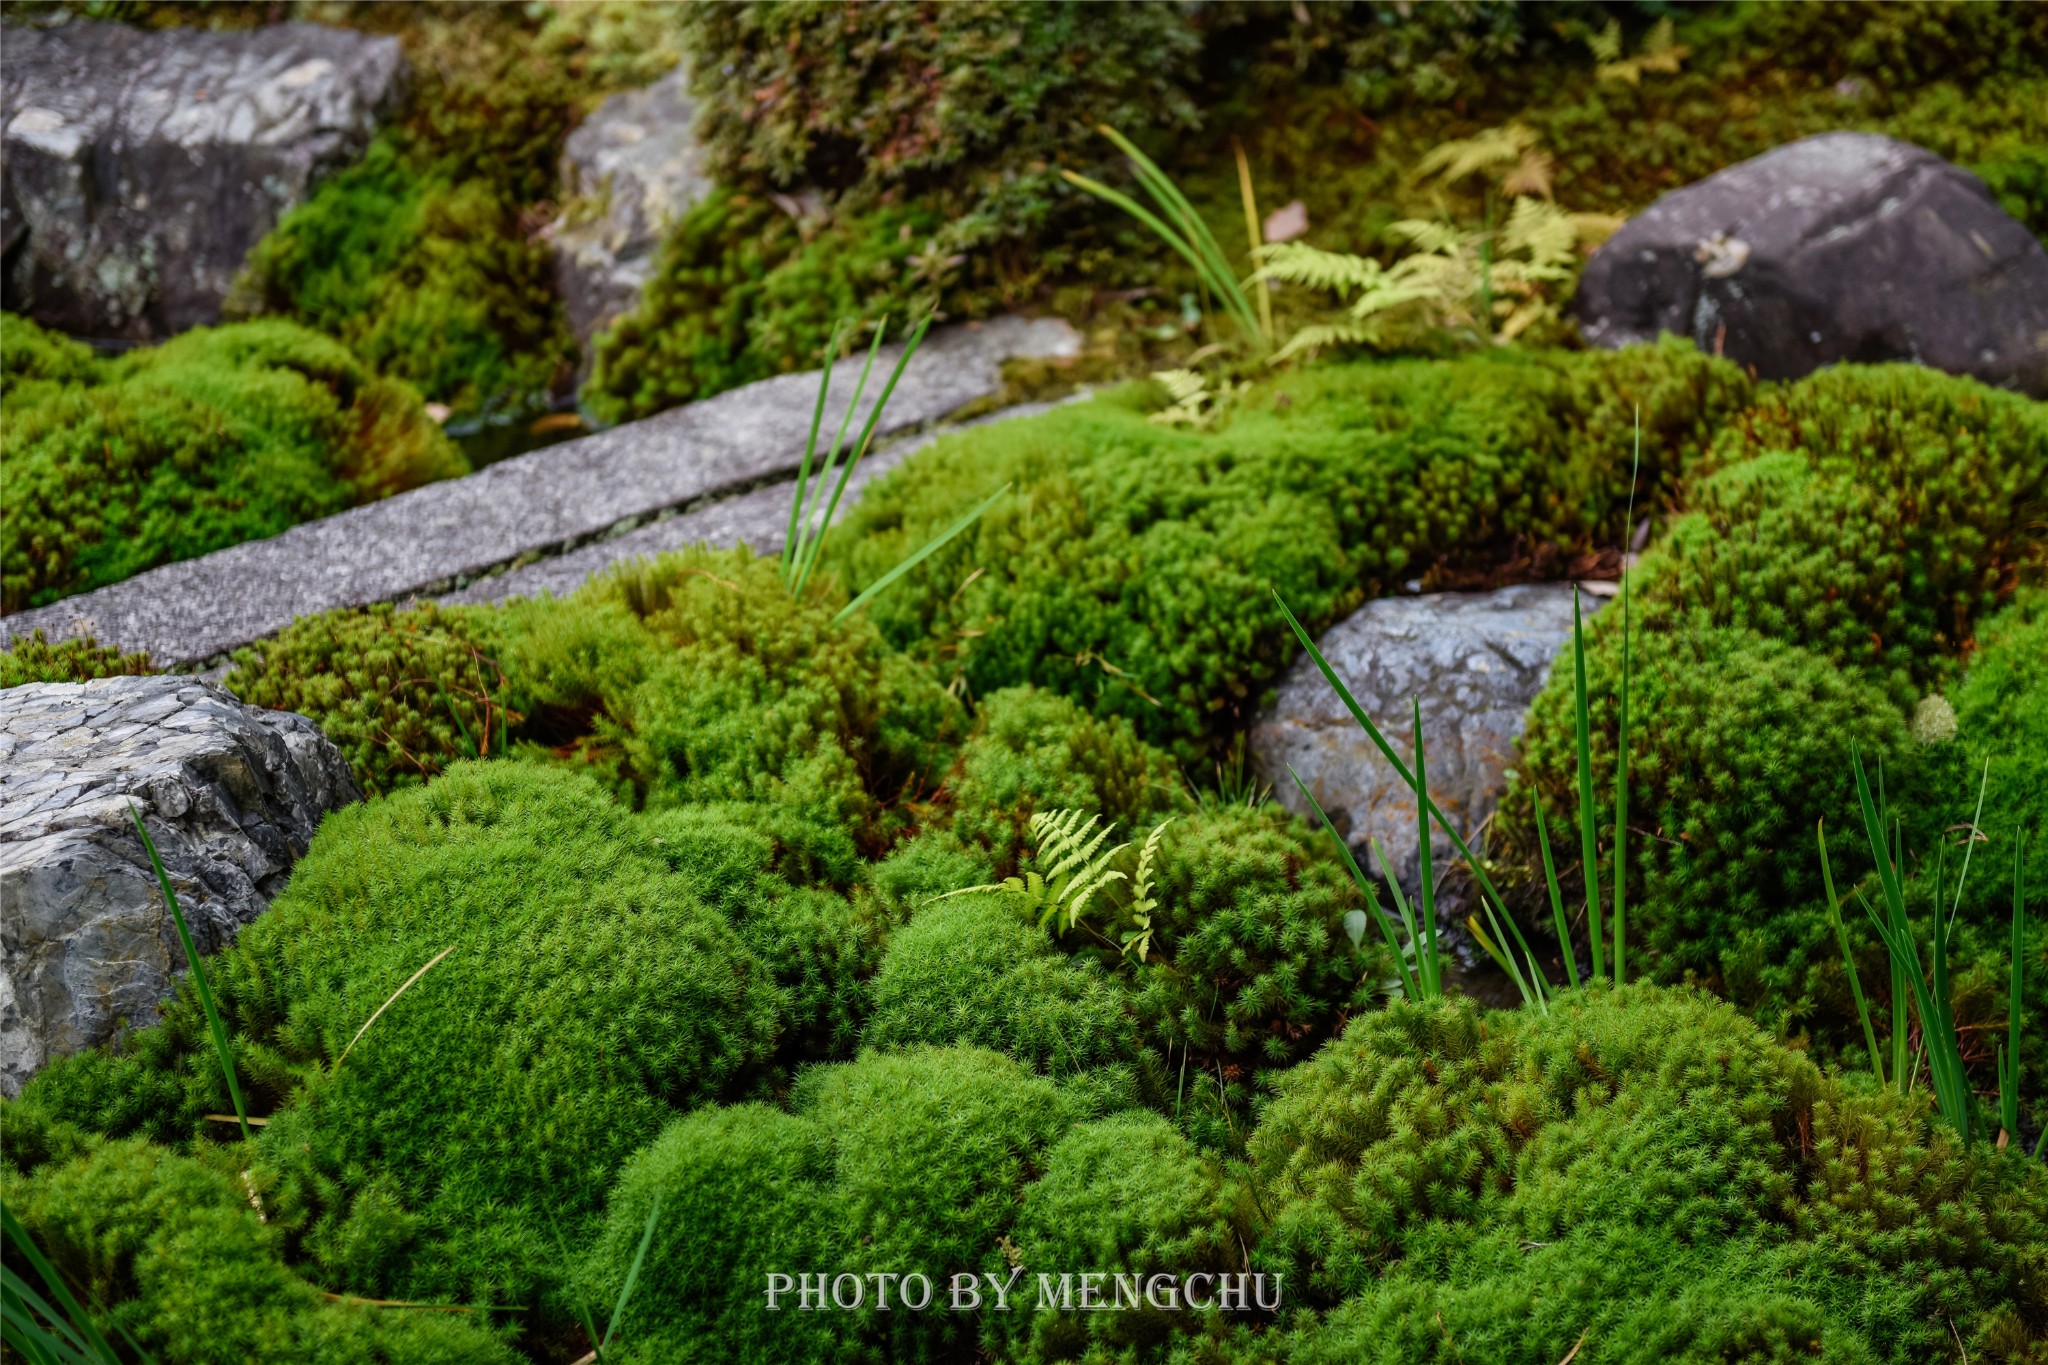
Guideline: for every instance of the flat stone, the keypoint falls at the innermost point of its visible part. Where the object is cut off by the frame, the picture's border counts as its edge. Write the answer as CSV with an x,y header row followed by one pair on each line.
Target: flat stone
x,y
1474,660
1842,247
629,171
138,166
231,796
435,539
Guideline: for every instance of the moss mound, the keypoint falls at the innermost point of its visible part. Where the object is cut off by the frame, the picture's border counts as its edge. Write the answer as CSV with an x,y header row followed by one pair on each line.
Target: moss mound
x,y
1133,565
222,435
191,1271
1698,1192
32,658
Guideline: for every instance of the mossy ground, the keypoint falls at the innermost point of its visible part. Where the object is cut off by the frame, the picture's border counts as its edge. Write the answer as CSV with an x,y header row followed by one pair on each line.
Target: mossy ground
x,y
690,845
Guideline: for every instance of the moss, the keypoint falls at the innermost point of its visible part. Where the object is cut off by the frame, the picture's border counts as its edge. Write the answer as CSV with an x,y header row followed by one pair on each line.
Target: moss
x,y
1132,565
971,972
32,658
172,1252
1842,539
219,436
1704,1194
896,1163
691,678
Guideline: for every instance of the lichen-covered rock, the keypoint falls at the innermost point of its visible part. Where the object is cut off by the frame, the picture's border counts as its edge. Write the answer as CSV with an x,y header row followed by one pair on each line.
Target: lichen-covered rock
x,y
1841,247
231,796
1473,660
141,165
631,169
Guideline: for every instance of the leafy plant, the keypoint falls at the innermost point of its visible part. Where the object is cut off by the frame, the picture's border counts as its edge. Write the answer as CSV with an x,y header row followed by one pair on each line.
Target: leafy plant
x,y
1192,402
1138,939
1076,866
43,1332
1184,231
1660,52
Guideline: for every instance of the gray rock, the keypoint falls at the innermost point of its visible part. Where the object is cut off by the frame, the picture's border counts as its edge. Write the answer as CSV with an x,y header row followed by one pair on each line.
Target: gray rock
x,y
1842,247
231,796
631,169
1475,661
439,538
141,165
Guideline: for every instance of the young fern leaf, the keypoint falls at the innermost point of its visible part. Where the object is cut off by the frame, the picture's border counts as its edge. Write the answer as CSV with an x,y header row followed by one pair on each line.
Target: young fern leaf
x,y
1143,902
1076,866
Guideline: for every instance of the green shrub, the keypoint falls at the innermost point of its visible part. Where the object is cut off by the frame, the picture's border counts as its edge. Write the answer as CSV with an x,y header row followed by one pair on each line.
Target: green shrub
x,y
896,1163
171,1251
1641,1169
972,973
1131,567
219,436
32,658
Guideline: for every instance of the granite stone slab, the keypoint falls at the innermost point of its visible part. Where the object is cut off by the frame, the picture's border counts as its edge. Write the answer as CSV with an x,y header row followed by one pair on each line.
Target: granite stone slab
x,y
437,539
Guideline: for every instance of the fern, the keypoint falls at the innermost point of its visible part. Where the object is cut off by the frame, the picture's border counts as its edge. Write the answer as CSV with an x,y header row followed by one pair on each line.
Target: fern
x,y
1139,939
1194,403
1075,867
1660,52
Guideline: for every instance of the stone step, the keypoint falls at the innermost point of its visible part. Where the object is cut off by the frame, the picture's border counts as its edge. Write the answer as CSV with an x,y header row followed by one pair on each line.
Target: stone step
x,y
444,537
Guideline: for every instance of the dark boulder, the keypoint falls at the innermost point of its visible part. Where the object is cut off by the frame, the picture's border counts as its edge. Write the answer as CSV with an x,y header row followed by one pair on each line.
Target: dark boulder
x,y
139,166
1842,247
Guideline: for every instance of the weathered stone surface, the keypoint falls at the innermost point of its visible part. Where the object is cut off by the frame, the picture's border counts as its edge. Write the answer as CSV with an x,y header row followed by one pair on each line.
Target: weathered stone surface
x,y
631,169
1842,247
231,796
758,519
435,539
141,165
1474,660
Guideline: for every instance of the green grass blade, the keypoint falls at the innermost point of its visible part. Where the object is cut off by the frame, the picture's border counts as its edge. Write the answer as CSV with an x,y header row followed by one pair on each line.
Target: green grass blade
x,y
1827,877
1204,272
1372,902
74,1326
917,557
1969,847
2009,1065
199,983
1372,732
809,534
1621,743
803,470
1407,911
1564,932
1168,196
632,1273
1427,956
1589,848
860,450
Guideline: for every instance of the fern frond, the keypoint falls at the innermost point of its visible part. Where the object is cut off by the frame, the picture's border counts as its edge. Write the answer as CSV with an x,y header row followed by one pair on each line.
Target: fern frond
x,y
1141,884
1452,161
1606,44
1335,271
1319,336
1544,233
1436,238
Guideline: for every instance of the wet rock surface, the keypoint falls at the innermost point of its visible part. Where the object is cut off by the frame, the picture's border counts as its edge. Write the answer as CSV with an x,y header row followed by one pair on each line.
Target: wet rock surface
x,y
231,796
140,166
1474,660
1841,247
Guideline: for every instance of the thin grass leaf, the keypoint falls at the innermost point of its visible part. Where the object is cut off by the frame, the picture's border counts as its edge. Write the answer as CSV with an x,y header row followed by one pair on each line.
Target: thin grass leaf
x,y
2009,1060
1564,932
867,437
1386,751
803,470
69,1327
632,1275
1379,917
917,557
1203,270
1589,848
1432,979
1621,744
221,1047
387,1004
1827,877
810,530
1169,198
1970,844
1400,897
1255,236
